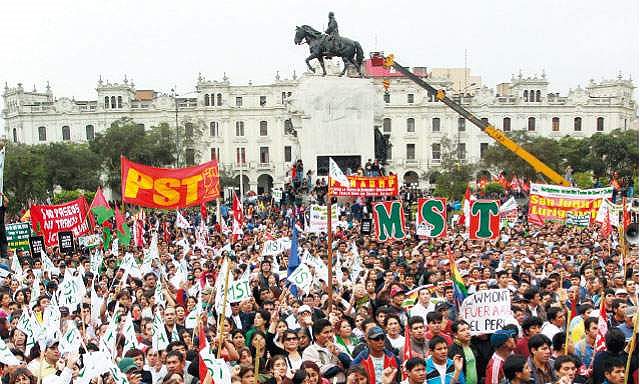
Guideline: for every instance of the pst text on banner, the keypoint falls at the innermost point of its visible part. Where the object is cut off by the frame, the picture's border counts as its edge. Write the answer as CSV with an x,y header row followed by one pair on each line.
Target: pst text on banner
x,y
169,188
431,217
51,219
551,202
18,235
487,311
366,186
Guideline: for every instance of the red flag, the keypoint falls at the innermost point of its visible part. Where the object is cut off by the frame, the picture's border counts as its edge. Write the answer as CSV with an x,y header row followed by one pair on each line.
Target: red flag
x,y
203,212
605,228
98,201
602,328
202,344
626,215
238,218
466,208
407,352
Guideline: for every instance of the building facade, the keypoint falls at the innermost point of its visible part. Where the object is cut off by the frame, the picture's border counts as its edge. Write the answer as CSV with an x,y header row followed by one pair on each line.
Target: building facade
x,y
254,129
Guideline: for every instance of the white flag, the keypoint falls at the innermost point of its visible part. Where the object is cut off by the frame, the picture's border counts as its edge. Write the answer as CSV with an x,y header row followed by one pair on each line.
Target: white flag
x,y
71,340
159,341
301,277
336,173
6,357
130,264
181,222
95,261
108,340
129,333
95,364
218,369
47,264
15,264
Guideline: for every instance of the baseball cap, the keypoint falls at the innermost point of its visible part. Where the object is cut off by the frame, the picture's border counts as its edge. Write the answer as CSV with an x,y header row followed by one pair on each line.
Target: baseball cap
x,y
442,305
500,337
304,308
396,291
621,291
127,364
375,332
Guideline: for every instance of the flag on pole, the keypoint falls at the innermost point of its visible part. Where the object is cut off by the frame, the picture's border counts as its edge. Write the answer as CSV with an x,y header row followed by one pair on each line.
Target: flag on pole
x,y
460,290
181,222
465,218
602,329
122,229
238,218
336,174
98,201
203,345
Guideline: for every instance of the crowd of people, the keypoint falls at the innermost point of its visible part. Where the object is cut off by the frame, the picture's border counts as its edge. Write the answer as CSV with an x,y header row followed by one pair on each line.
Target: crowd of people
x,y
393,318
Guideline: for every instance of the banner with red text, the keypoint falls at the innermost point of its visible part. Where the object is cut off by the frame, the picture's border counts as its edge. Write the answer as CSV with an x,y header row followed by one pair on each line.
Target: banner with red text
x,y
169,188
552,202
51,219
366,186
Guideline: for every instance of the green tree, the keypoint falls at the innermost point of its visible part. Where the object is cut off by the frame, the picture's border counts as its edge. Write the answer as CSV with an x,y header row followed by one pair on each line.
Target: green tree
x,y
616,151
65,196
72,166
454,175
26,176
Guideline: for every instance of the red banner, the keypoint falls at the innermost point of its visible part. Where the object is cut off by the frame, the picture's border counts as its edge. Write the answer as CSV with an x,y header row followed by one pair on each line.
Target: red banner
x,y
51,219
366,186
169,188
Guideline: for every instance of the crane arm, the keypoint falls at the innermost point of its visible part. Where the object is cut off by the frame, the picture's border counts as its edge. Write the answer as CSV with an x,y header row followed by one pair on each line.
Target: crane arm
x,y
487,128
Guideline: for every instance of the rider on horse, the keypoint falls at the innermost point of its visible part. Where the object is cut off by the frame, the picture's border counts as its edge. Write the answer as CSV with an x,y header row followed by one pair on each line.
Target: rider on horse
x,y
332,32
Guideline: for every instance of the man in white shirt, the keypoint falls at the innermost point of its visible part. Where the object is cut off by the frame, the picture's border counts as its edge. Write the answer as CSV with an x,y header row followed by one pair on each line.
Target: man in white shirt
x,y
424,304
555,322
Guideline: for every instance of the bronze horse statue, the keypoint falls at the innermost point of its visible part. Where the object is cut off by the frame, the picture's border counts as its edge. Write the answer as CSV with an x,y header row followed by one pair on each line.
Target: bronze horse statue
x,y
322,46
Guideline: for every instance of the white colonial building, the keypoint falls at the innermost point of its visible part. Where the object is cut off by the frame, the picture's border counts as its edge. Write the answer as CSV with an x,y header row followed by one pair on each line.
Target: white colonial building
x,y
263,129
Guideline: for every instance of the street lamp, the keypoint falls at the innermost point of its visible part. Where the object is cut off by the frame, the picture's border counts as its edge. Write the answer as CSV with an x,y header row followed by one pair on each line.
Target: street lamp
x,y
175,100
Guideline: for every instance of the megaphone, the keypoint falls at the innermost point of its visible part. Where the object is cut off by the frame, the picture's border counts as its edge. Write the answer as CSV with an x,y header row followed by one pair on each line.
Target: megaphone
x,y
631,234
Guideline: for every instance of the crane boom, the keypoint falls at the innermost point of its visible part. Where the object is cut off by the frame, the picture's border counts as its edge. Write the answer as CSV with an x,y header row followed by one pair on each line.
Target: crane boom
x,y
486,127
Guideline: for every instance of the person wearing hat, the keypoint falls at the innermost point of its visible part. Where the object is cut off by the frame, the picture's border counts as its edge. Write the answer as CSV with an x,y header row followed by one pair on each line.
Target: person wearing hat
x,y
503,342
128,366
376,358
627,326
42,369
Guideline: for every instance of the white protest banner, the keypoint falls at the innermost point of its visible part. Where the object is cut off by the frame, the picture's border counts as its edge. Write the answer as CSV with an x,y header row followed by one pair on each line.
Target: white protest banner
x,y
89,241
6,357
286,242
318,218
578,219
277,195
71,292
301,277
94,365
318,265
95,261
160,340
273,247
487,311
218,369
71,341
239,290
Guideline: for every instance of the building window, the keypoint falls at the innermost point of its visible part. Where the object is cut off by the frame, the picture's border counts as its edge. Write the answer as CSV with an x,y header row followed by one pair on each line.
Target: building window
x,y
15,135
386,125
215,154
188,130
461,124
288,127
531,124
287,153
42,133
411,151
538,96
600,124
264,155
263,101
140,126
90,132
577,124
506,124
435,151
462,151
240,156
119,101
190,156
284,97
263,128
206,99
435,124
555,124
239,101
483,149
411,125
66,133
113,102
106,102
239,128
410,98
213,129
387,97
218,99
526,95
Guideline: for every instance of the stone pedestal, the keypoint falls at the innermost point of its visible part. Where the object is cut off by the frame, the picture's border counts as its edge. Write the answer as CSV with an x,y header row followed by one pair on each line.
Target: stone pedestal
x,y
335,116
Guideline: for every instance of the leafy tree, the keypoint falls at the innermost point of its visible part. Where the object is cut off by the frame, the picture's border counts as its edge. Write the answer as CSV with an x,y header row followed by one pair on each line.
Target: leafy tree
x,y
492,188
616,152
72,166
453,175
65,196
25,176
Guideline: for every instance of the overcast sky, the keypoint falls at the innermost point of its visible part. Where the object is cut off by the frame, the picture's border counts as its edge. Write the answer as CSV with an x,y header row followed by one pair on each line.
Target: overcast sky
x,y
162,43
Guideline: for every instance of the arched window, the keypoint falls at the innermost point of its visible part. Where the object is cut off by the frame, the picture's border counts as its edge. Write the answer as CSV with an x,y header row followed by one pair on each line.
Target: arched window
x,y
435,124
213,129
66,133
188,130
600,124
386,125
577,124
531,124
411,125
506,124
119,101
538,95
526,95
90,132
106,102
206,99
263,128
113,102
42,133
555,124
15,135
218,99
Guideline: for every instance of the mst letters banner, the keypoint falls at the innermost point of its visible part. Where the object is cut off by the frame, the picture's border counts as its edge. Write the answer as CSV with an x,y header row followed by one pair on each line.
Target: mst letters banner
x,y
552,202
169,188
51,219
366,186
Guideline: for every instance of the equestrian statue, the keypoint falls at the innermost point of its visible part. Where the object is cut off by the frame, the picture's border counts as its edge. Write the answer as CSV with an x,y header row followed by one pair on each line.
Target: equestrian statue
x,y
329,44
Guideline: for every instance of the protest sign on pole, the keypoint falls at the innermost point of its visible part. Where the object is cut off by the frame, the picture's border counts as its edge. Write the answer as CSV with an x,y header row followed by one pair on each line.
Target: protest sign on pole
x,y
239,290
65,242
318,218
18,235
36,244
487,311
273,247
552,202
485,220
52,219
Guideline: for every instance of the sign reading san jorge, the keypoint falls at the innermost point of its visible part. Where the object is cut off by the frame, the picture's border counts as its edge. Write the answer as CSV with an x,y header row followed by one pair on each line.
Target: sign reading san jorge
x,y
169,188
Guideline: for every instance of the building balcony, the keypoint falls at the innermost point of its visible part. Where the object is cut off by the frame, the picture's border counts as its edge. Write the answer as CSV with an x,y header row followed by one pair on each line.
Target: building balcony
x,y
268,166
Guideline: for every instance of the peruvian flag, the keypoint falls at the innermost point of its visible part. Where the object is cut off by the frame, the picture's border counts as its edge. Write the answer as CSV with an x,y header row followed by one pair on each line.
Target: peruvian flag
x,y
602,329
138,231
465,218
238,218
202,345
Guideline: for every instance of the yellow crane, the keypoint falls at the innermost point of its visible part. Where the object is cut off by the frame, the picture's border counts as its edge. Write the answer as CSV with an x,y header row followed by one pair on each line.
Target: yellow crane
x,y
486,127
